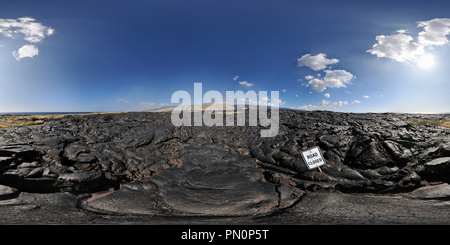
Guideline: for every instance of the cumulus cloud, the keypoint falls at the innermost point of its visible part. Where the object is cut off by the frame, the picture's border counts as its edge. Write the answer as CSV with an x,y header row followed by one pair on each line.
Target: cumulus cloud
x,y
333,79
340,103
402,48
356,101
324,105
32,31
245,83
284,90
366,96
435,31
26,51
235,78
327,95
399,47
317,62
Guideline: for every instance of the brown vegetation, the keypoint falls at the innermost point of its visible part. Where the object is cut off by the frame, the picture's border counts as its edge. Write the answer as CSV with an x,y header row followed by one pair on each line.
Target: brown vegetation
x,y
436,122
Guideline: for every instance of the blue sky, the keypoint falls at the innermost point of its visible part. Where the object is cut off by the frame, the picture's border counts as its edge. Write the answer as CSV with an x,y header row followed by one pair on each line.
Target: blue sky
x,y
349,56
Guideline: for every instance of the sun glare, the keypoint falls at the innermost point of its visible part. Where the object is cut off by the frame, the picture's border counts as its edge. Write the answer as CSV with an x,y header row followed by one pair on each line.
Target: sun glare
x,y
426,61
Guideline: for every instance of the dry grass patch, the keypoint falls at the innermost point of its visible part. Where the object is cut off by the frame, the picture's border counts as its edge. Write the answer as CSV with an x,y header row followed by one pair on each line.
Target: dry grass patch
x,y
436,122
18,121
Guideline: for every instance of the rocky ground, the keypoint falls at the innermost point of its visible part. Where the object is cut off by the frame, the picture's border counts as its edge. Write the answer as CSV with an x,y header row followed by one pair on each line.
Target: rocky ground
x,y
138,167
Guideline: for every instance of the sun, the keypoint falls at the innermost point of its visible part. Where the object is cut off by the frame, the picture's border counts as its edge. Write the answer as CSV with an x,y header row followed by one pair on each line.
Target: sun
x,y
426,61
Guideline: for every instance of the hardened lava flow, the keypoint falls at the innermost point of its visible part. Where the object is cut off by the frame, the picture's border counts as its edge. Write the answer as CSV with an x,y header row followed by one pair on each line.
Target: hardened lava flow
x,y
130,166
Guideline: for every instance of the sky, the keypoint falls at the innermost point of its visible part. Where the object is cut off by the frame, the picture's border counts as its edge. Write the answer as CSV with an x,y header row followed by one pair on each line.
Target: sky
x,y
347,56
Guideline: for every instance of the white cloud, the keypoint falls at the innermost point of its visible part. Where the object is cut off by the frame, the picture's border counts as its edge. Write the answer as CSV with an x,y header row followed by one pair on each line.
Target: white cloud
x,y
280,103
284,90
340,103
235,78
435,31
245,83
309,77
366,96
265,98
327,95
124,101
148,106
402,48
33,32
356,101
317,62
399,47
333,79
317,85
347,92
296,95
27,50
324,105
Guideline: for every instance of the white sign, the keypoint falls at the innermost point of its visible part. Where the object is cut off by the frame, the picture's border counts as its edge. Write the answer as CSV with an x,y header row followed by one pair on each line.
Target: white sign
x,y
313,158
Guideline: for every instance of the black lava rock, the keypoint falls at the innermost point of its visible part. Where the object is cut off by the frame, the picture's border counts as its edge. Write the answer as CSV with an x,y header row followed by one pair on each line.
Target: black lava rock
x,y
199,170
